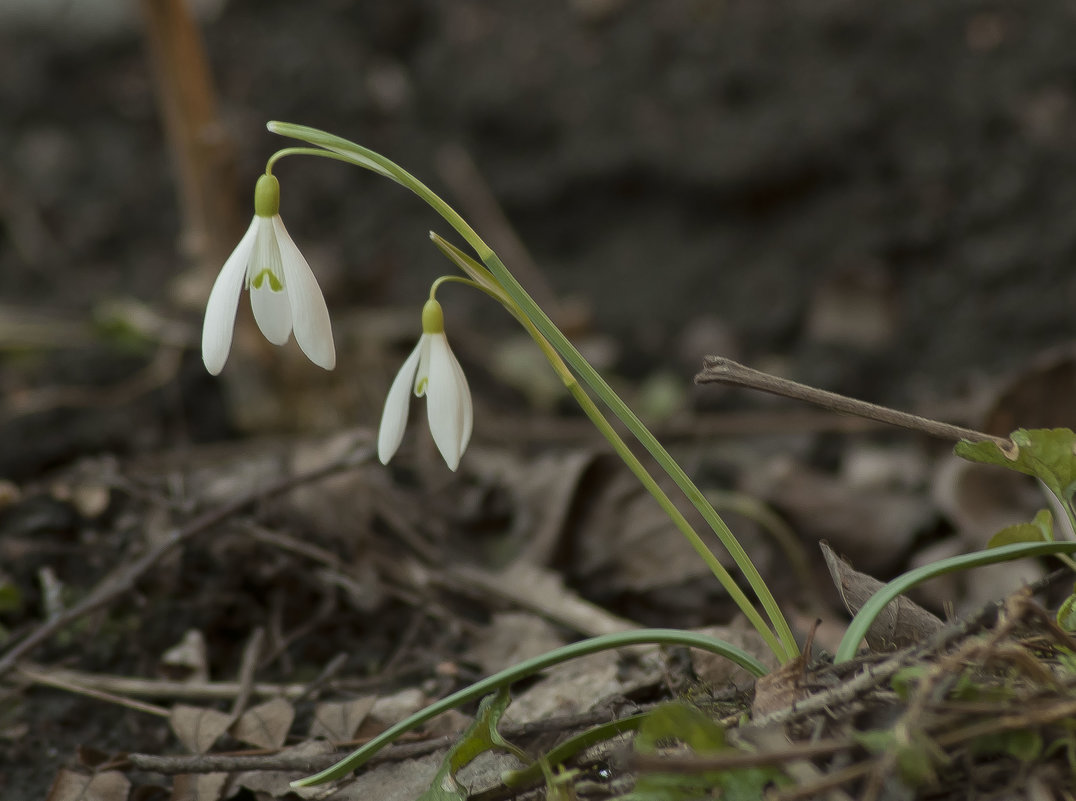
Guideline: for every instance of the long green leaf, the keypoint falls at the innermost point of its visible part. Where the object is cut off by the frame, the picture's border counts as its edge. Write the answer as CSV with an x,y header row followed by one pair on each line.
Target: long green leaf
x,y
529,668
863,620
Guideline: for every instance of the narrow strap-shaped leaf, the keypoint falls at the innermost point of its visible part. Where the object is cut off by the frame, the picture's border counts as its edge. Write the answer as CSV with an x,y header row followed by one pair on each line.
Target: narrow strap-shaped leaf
x,y
861,623
529,668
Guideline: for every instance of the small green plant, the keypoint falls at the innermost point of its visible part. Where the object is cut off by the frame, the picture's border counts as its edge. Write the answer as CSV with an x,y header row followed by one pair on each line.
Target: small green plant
x,y
286,299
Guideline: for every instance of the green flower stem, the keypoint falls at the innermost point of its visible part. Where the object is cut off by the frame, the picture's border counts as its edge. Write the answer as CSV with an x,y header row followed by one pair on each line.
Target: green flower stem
x,y
640,472
861,623
364,157
304,151
367,158
529,668
594,414
591,376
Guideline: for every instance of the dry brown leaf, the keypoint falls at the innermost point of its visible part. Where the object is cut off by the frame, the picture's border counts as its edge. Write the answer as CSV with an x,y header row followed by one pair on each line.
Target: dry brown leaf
x,y
540,590
188,659
265,725
779,688
111,785
392,708
513,637
392,781
874,525
1039,395
584,683
903,622
338,721
199,786
198,728
981,500
543,489
276,783
626,543
716,670
338,503
92,757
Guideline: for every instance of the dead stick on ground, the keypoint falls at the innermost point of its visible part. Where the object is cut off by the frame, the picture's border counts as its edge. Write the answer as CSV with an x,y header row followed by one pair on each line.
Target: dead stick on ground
x,y
288,760
155,688
62,682
247,668
123,578
876,675
719,370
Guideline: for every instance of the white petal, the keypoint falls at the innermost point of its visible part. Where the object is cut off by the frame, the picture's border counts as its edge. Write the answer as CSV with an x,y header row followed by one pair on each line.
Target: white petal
x,y
310,316
397,402
448,402
223,300
465,400
272,313
272,310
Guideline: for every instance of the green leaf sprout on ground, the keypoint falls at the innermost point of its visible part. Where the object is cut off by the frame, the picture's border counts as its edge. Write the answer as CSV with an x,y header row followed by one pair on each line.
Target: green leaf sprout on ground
x,y
1048,454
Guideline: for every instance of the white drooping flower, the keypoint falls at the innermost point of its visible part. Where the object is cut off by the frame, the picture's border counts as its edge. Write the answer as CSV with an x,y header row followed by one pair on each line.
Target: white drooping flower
x,y
284,294
430,370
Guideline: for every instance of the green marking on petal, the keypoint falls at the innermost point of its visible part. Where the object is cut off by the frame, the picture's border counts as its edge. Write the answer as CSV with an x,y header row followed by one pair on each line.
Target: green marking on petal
x,y
275,284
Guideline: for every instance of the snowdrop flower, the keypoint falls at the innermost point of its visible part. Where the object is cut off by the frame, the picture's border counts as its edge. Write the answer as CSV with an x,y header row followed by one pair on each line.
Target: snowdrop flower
x,y
433,371
283,291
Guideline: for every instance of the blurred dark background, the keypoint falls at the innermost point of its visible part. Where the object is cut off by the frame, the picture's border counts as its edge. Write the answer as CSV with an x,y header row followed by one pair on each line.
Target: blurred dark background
x,y
876,197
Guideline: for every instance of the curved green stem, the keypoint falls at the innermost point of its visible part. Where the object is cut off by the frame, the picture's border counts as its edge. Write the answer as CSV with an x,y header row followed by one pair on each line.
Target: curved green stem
x,y
529,668
364,157
594,414
591,376
303,151
458,279
861,623
640,472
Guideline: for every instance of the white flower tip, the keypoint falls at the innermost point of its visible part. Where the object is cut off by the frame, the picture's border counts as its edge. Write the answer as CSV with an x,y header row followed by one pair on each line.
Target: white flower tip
x,y
397,402
388,442
223,300
213,367
448,402
322,353
216,343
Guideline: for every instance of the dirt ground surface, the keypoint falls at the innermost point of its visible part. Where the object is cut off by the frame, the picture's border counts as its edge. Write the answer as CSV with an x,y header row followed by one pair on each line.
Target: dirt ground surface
x,y
877,198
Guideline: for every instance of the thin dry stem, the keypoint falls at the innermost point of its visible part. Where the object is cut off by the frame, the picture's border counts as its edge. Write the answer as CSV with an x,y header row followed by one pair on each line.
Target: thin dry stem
x,y
720,370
